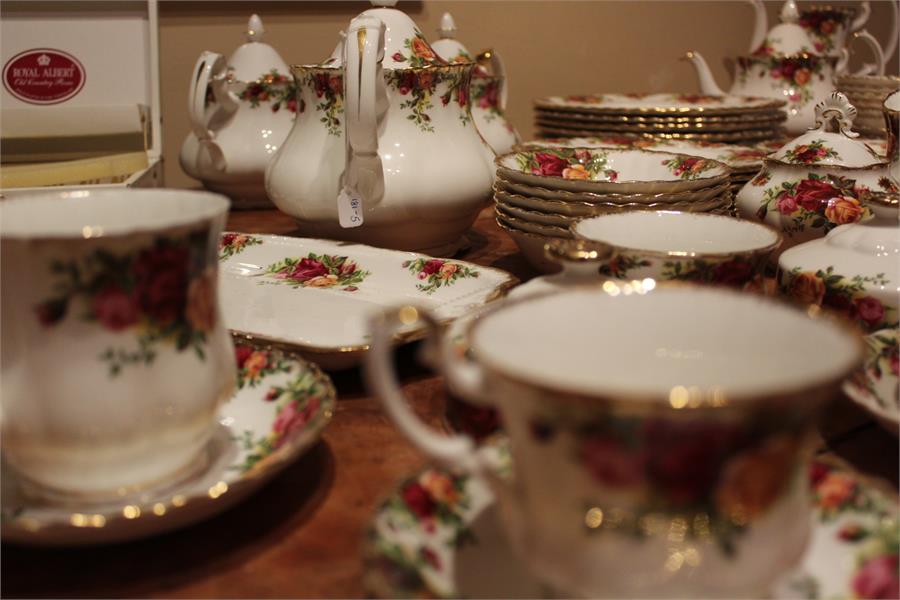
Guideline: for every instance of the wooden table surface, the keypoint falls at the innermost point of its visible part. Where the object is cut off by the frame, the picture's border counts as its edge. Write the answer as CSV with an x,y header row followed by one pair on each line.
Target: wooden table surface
x,y
300,536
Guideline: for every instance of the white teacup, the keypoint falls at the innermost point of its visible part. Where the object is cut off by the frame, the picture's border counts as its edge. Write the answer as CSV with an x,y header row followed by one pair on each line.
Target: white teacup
x,y
114,356
666,245
657,437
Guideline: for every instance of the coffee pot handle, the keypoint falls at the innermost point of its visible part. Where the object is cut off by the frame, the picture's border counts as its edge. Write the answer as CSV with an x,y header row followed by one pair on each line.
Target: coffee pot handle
x,y
454,451
209,65
865,10
363,80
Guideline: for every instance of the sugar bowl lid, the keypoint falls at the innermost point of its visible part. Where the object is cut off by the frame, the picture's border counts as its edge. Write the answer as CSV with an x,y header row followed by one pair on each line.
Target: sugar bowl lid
x,y
837,148
405,46
255,58
787,38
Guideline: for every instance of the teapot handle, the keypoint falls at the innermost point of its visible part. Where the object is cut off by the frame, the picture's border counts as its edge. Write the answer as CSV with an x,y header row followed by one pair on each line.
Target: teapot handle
x,y
363,53
876,68
865,10
208,64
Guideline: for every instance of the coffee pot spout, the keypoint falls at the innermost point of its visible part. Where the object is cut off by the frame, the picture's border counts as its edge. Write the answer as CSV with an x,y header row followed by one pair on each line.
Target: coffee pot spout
x,y
705,77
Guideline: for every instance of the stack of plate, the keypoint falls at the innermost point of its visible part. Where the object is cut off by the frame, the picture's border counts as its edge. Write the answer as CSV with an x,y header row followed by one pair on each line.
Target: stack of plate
x,y
541,192
744,161
867,93
730,119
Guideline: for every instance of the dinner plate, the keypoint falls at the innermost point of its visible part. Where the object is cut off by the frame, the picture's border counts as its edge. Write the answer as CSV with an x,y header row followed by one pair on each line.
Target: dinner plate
x,y
749,135
439,535
279,409
876,387
537,191
315,296
660,104
629,119
687,127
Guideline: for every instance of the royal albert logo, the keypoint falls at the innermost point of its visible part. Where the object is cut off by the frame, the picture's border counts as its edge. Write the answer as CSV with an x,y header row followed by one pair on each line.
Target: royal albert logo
x,y
43,76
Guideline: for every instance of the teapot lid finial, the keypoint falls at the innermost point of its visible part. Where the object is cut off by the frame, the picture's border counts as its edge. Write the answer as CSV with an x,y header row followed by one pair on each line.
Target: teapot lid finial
x,y
255,29
790,13
836,108
384,3
447,30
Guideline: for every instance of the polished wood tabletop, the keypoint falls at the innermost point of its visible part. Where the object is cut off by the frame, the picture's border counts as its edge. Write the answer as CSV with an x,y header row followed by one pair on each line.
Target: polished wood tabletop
x,y
301,534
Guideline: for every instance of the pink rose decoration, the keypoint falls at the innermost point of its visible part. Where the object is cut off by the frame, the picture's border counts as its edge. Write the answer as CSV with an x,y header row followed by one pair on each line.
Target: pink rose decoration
x,y
308,268
787,204
549,164
115,309
432,266
870,310
878,578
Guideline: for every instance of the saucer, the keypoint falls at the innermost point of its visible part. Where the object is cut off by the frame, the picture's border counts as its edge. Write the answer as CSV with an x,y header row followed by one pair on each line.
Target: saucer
x,y
281,405
440,536
875,386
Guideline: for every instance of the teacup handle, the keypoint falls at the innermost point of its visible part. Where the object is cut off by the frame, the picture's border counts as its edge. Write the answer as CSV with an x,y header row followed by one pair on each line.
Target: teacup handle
x,y
865,10
876,68
454,451
208,64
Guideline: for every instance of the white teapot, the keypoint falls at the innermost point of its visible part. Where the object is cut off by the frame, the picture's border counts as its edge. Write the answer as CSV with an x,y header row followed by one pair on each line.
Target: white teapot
x,y
384,150
240,111
488,90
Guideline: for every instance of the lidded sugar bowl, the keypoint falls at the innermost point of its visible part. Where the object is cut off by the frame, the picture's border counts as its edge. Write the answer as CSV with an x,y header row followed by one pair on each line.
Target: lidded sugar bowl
x,y
488,90
385,131
814,183
240,111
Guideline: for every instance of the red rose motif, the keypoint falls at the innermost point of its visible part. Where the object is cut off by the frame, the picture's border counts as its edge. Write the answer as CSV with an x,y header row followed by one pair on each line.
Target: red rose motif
x,y
288,421
878,578
432,266
489,99
786,204
272,394
227,239
549,164
870,310
895,363
732,272
320,83
463,96
292,105
241,354
51,312
431,557
817,472
308,268
419,501
114,308
610,463
812,194
161,282
398,57
336,85
348,268
840,303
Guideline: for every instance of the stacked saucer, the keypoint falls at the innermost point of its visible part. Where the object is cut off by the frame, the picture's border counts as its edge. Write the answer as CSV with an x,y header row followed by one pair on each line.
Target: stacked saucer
x,y
541,192
730,119
867,94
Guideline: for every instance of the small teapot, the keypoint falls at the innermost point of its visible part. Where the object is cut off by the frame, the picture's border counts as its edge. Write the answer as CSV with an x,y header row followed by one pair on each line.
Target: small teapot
x,y
240,112
487,91
384,150
814,183
785,66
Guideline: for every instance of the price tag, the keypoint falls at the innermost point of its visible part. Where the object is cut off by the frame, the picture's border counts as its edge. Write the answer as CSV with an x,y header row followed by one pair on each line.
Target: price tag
x,y
350,212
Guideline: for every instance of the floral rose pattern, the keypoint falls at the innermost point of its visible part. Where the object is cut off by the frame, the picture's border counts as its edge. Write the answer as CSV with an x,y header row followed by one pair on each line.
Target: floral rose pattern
x,y
842,295
810,154
273,87
235,243
816,202
621,264
822,24
420,86
761,178
883,357
567,163
326,89
486,96
161,294
688,167
736,272
318,271
298,404
793,75
435,273
419,53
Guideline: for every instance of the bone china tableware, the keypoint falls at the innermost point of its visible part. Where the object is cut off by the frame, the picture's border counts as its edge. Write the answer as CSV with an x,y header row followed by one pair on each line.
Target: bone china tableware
x,y
875,387
278,411
265,278
653,444
114,355
411,548
601,170
387,135
813,183
240,111
488,90
666,245
828,26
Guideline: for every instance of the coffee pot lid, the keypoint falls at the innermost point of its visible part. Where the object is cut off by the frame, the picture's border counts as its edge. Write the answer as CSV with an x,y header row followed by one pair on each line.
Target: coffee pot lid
x,y
404,44
255,58
823,148
787,38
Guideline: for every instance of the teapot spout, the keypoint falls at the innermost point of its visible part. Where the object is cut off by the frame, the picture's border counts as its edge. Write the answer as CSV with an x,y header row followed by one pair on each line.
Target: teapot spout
x,y
760,25
705,77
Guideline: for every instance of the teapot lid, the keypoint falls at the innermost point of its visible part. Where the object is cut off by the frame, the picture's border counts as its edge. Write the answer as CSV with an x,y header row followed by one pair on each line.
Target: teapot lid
x,y
404,44
821,147
448,47
255,58
787,38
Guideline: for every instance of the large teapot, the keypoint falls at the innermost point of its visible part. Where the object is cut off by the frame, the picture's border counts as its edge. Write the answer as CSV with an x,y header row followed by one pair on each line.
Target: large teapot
x,y
240,112
785,66
384,150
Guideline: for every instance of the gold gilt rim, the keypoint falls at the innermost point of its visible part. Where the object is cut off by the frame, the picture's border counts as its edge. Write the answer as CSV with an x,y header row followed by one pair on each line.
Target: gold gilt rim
x,y
762,250
710,400
339,70
555,231
652,127
767,106
89,517
885,199
777,115
873,167
744,136
847,10
612,196
499,198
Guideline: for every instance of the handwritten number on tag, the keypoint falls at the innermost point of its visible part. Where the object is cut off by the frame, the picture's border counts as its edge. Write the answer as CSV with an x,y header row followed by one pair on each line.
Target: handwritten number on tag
x,y
350,213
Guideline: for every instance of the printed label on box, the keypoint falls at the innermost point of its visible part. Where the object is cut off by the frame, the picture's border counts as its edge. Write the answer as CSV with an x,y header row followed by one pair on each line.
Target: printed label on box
x,y
43,76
